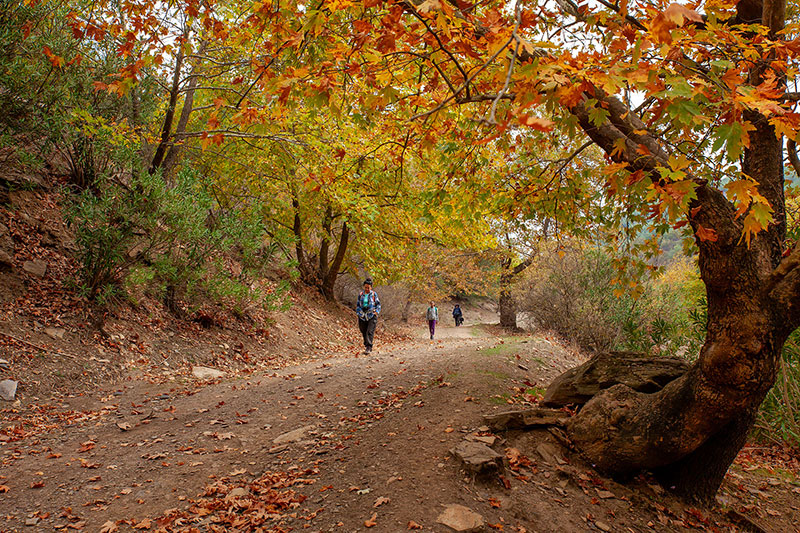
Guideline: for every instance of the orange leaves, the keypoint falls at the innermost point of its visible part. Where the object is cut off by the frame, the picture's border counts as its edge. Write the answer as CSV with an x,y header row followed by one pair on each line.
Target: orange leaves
x,y
207,140
56,61
372,522
706,234
745,196
144,524
673,17
109,527
536,123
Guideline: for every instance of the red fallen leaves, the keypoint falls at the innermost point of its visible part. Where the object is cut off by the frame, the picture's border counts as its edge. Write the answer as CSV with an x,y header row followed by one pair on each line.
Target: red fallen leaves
x,y
413,525
4,488
372,522
517,460
267,498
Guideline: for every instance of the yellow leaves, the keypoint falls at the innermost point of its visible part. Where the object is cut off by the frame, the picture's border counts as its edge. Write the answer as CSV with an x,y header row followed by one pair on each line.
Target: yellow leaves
x,y
741,193
757,219
678,162
786,125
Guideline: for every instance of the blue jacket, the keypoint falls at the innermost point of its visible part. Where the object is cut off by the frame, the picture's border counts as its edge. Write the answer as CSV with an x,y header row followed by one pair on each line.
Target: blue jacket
x,y
368,305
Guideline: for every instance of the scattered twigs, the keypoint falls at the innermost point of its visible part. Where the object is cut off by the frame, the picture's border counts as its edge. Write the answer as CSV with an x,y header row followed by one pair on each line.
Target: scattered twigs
x,y
32,345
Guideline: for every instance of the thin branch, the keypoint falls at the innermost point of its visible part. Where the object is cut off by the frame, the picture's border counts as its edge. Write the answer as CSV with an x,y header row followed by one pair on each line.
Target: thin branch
x,y
514,35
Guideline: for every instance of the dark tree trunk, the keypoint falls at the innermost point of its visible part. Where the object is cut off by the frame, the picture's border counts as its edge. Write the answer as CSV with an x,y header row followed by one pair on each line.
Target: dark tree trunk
x,y
507,305
166,128
171,300
332,274
324,274
698,476
508,310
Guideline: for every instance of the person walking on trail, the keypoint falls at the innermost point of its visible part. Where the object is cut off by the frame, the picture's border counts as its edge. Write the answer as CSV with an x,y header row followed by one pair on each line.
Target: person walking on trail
x,y
368,308
458,315
433,317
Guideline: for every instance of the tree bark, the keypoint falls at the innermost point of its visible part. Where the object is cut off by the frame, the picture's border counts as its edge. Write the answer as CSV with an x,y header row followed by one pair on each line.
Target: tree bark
x,y
507,305
166,128
329,280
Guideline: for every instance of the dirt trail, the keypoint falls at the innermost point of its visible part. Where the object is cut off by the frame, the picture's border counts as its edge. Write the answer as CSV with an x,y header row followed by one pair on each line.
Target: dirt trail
x,y
370,446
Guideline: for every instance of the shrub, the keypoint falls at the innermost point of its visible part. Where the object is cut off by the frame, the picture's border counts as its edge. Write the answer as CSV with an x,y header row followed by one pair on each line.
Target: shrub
x,y
575,295
174,239
779,416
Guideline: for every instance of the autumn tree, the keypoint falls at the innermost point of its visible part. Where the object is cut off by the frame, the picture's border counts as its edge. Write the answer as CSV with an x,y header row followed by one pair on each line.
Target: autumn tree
x,y
690,111
688,104
710,115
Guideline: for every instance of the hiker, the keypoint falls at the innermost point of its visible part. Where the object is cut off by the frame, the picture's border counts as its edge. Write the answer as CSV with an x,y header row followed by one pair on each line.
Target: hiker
x,y
433,317
458,316
368,308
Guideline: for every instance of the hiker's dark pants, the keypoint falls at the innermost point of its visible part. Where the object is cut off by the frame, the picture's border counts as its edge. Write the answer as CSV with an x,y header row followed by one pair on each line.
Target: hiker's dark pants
x,y
432,327
367,328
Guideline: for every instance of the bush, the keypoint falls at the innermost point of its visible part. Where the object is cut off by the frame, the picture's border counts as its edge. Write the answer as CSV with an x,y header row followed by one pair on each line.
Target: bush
x,y
779,417
575,295
173,239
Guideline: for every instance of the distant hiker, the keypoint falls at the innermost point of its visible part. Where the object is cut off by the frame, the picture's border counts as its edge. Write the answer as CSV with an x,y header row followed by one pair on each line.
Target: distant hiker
x,y
458,316
368,308
433,317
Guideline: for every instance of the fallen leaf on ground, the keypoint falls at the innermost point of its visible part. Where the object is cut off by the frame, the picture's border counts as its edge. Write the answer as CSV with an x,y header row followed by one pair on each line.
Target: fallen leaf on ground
x,y
413,525
108,527
144,524
372,522
380,501
124,426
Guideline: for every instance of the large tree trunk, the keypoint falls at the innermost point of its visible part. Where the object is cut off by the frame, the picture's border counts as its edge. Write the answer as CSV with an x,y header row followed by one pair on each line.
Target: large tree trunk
x,y
691,430
508,310
507,305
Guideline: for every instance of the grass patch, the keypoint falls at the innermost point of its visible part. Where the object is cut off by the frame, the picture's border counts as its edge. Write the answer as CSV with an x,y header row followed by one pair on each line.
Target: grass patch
x,y
508,347
497,375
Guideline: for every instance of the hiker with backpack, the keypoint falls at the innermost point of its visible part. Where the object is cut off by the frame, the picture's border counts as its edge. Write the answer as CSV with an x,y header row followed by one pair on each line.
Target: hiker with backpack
x,y
368,307
458,315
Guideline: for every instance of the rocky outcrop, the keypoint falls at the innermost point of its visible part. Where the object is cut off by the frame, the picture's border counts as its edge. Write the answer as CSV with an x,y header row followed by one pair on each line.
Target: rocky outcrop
x,y
604,370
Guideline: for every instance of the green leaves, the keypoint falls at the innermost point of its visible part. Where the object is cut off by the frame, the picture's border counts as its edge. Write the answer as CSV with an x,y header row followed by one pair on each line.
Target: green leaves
x,y
734,137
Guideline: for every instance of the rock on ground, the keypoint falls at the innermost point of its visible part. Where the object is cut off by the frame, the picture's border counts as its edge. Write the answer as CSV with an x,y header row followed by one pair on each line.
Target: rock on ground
x,y
460,518
203,372
55,333
604,370
477,457
8,390
292,436
37,267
